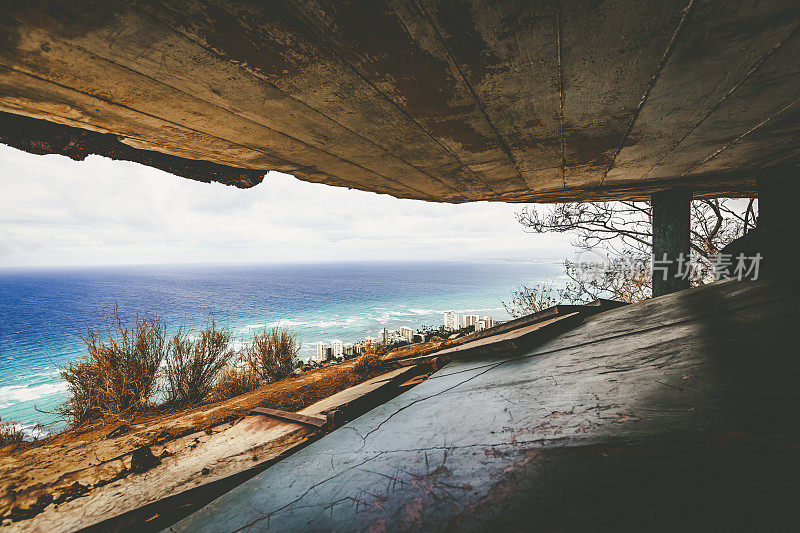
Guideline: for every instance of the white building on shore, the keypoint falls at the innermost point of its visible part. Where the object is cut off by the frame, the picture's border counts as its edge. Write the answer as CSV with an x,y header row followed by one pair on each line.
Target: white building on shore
x,y
470,320
322,352
484,323
388,337
337,349
407,334
451,320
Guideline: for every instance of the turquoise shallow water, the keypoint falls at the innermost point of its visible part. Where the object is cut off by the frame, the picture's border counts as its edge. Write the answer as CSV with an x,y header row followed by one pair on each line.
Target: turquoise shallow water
x,y
44,313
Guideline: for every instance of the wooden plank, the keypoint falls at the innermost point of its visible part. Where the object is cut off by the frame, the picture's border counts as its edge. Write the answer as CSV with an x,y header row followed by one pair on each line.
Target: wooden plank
x,y
448,38
150,47
288,416
766,129
403,58
768,144
743,112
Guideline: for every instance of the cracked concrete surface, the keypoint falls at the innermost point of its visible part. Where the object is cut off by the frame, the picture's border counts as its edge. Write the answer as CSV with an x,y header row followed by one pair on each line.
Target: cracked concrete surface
x,y
631,418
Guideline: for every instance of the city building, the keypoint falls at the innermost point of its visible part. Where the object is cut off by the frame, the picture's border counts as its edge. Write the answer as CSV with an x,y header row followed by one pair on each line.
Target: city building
x,y
369,342
469,320
387,337
451,320
322,352
337,349
407,334
484,323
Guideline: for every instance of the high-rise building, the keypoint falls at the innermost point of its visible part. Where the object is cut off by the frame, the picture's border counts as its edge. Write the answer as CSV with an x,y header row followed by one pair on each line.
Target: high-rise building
x,y
322,351
451,321
337,349
484,322
407,333
369,342
347,349
470,320
387,336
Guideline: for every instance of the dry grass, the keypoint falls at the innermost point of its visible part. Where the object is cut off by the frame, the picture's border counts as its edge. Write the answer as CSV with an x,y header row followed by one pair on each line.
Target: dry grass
x,y
118,375
193,366
295,393
367,362
10,433
415,350
235,381
272,353
117,378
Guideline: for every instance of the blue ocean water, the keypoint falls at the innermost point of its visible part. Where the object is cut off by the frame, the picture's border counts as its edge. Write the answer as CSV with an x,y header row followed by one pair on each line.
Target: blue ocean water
x,y
45,313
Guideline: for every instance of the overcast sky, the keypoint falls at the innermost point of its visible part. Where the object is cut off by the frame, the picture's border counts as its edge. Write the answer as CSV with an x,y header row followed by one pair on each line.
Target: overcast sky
x,y
55,211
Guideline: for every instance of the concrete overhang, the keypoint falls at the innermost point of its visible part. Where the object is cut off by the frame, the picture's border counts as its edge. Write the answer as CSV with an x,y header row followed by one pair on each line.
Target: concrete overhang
x,y
450,101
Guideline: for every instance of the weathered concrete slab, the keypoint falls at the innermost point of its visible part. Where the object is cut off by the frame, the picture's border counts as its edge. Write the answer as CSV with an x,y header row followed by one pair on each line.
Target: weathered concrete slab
x,y
194,467
679,412
443,101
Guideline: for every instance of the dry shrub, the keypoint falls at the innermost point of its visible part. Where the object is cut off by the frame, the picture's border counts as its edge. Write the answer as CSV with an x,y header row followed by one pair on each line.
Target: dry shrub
x,y
367,362
235,381
528,300
117,375
271,354
193,366
10,433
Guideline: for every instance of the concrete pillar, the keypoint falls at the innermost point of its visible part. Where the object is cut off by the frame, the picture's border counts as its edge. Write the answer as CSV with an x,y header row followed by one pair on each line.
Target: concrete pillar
x,y
670,238
778,221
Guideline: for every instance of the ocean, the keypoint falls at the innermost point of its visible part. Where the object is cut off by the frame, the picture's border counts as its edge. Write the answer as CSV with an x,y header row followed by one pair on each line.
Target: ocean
x,y
44,313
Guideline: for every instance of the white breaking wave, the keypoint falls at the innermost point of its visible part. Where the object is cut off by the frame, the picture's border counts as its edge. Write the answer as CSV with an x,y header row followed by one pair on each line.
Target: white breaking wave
x,y
23,393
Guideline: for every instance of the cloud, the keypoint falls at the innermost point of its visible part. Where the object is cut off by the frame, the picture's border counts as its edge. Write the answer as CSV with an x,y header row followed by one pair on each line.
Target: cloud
x,y
55,211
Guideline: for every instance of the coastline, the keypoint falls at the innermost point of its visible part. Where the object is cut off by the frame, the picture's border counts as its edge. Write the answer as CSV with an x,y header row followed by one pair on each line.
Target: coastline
x,y
321,302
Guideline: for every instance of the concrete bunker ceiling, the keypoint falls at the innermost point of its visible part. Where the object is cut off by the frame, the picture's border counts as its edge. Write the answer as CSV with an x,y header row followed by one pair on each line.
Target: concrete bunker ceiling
x,y
442,101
